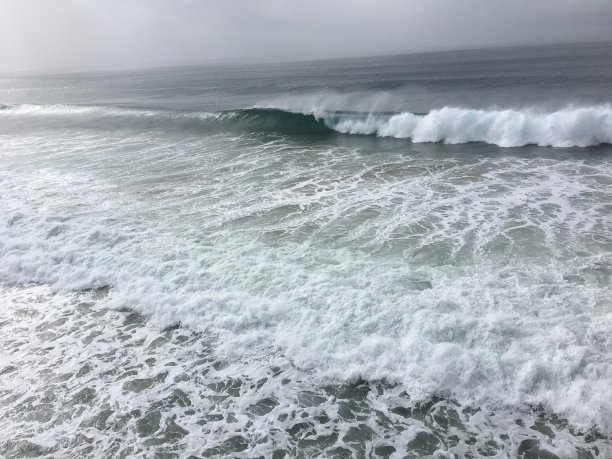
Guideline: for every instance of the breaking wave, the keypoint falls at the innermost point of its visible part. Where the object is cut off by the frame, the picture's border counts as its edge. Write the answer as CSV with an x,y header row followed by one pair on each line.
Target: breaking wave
x,y
569,127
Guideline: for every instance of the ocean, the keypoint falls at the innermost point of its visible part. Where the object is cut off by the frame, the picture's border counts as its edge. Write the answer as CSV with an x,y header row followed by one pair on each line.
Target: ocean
x,y
404,256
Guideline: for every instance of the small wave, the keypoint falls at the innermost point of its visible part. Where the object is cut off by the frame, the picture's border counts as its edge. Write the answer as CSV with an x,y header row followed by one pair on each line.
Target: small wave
x,y
254,119
62,110
570,127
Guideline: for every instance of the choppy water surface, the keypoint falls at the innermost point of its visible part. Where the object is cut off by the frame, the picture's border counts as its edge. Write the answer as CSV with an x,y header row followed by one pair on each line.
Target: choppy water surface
x,y
223,281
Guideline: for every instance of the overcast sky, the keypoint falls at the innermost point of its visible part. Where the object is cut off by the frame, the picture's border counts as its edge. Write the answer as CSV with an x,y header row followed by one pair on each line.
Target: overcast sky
x,y
55,34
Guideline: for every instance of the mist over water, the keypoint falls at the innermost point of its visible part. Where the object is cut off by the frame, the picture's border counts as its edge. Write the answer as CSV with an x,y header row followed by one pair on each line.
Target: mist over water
x,y
404,257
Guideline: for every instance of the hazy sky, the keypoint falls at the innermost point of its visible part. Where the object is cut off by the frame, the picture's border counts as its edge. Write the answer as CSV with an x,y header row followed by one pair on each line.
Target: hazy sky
x,y
53,34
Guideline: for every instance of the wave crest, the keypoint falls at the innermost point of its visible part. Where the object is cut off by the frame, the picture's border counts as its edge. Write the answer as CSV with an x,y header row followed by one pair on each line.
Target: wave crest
x,y
571,127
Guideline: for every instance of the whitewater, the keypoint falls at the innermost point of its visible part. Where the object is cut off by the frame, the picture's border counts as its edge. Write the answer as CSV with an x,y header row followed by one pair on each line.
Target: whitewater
x,y
349,272
579,127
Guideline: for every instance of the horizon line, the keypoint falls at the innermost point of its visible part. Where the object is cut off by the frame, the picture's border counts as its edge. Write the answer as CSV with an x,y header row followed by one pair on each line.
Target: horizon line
x,y
263,61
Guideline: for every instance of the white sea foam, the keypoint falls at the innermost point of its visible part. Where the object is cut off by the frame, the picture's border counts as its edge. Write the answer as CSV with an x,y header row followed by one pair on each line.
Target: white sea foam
x,y
494,292
80,376
570,127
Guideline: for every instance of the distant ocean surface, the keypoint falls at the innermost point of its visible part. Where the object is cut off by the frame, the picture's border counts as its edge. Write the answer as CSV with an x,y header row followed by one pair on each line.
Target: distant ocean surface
x,y
406,256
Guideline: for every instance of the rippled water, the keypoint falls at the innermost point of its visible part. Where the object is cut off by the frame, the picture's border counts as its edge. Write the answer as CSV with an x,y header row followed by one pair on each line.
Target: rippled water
x,y
174,288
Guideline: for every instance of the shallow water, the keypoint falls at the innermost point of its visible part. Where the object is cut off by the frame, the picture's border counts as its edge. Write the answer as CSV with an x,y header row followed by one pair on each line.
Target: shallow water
x,y
94,381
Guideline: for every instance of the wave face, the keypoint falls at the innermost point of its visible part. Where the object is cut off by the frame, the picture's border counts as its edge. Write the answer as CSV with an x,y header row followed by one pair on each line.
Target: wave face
x,y
570,127
101,117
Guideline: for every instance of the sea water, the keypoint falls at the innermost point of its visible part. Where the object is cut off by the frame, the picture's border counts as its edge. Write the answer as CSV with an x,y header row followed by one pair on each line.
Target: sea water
x,y
406,256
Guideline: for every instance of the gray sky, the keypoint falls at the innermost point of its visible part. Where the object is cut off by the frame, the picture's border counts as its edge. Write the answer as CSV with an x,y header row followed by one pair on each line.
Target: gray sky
x,y
54,34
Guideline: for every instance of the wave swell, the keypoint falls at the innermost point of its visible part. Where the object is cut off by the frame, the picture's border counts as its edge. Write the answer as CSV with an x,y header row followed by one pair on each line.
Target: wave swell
x,y
570,127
